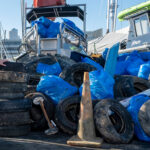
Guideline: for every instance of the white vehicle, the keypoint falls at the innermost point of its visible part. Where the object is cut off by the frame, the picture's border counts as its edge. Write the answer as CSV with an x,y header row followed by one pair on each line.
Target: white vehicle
x,y
139,30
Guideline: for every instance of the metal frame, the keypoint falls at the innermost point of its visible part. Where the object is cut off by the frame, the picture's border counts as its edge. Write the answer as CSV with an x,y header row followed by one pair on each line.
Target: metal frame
x,y
34,30
78,5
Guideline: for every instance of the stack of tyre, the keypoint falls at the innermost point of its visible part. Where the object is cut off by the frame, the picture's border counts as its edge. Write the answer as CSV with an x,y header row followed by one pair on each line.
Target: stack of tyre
x,y
14,108
115,128
72,72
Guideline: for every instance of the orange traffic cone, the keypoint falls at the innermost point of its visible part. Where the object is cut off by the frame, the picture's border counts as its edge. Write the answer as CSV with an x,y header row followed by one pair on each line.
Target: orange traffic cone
x,y
86,131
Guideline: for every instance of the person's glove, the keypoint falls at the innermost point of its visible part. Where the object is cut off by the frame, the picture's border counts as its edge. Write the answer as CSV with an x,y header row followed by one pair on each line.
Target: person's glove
x,y
2,62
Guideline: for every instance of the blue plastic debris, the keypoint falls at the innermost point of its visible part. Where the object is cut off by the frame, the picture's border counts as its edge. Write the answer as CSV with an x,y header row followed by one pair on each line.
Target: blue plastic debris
x,y
53,30
79,31
42,30
130,63
122,57
111,59
133,64
56,88
72,25
120,68
50,29
145,56
46,22
69,23
91,62
104,54
144,71
135,104
45,69
101,85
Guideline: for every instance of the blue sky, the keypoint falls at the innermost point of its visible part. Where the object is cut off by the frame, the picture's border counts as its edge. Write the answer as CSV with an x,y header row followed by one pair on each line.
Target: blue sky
x,y
10,15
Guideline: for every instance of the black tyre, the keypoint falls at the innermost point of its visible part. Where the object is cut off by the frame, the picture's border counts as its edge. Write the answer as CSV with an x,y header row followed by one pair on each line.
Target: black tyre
x,y
12,96
31,66
123,87
144,117
140,84
106,124
67,114
27,57
14,118
15,105
11,76
33,79
13,66
127,85
77,57
39,121
74,74
7,87
14,131
64,61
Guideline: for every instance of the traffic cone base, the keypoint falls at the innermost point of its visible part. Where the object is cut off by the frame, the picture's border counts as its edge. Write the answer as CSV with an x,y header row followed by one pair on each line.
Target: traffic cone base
x,y
86,130
76,141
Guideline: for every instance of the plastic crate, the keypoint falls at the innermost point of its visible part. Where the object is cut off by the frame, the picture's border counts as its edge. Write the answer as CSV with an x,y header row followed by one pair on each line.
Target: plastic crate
x,y
46,3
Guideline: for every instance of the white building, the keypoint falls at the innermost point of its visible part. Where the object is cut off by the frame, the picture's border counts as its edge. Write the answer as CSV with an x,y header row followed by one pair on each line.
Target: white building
x,y
13,35
11,47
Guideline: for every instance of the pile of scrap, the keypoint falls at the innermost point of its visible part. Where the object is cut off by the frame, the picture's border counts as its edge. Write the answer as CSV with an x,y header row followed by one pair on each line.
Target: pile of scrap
x,y
58,93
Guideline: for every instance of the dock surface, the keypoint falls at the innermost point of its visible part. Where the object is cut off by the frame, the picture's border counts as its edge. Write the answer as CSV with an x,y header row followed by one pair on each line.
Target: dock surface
x,y
39,141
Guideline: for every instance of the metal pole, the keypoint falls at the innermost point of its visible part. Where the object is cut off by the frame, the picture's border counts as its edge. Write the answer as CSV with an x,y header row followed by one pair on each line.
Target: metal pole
x,y
84,24
112,12
84,27
25,22
22,19
108,12
115,18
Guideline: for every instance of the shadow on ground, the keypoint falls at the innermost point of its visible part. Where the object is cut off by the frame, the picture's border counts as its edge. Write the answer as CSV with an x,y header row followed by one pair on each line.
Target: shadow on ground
x,y
39,141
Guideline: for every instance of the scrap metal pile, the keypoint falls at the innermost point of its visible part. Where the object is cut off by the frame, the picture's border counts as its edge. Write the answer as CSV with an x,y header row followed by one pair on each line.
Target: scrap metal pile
x,y
60,88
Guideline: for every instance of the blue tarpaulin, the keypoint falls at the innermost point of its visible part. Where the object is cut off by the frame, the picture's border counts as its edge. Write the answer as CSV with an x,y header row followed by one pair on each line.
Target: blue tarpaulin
x,y
46,69
135,104
50,29
56,88
101,85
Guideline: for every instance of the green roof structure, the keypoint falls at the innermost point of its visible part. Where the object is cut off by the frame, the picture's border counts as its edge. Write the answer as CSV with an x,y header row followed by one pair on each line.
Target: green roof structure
x,y
130,11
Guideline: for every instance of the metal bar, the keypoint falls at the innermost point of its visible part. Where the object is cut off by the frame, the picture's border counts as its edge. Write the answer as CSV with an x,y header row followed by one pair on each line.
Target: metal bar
x,y
115,18
58,44
84,23
25,22
139,48
59,6
108,13
54,12
84,28
38,45
22,18
112,11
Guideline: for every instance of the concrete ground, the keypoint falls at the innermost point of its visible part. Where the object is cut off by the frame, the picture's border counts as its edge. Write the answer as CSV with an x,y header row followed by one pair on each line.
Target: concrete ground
x,y
39,141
